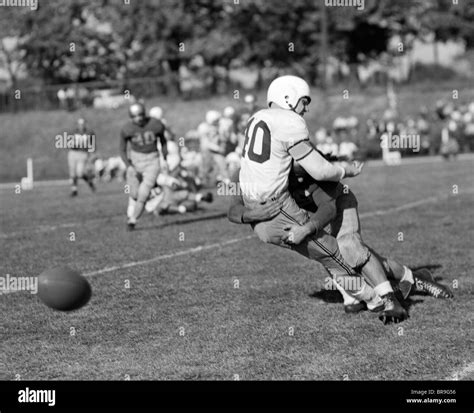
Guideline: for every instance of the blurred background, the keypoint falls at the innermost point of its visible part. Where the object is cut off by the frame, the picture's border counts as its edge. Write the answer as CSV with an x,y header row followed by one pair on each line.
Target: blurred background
x,y
403,66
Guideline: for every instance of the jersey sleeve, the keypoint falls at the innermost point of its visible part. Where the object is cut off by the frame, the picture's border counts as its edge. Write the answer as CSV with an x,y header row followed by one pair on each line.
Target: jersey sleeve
x,y
294,133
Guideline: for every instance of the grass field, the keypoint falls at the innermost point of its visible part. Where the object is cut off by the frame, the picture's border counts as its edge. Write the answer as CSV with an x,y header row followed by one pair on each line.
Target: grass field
x,y
32,134
183,318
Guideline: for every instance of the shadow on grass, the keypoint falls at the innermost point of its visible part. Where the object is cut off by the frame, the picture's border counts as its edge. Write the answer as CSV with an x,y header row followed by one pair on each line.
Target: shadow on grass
x,y
328,296
431,268
335,297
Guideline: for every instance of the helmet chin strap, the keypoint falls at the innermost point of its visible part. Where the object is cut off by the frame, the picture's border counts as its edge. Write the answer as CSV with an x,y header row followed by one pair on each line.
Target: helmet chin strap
x,y
292,108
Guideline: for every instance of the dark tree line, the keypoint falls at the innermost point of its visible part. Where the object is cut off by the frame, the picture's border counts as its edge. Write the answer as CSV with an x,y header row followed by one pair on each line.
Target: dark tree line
x,y
84,40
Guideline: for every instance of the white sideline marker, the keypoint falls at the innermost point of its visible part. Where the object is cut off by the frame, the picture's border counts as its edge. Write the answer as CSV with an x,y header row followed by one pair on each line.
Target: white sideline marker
x,y
27,182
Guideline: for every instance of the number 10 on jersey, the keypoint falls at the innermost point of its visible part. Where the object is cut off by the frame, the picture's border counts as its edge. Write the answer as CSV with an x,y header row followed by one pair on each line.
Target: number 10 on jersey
x,y
257,141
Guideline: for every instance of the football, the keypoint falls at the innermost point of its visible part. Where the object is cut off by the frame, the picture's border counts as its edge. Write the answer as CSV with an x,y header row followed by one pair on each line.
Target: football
x,y
63,289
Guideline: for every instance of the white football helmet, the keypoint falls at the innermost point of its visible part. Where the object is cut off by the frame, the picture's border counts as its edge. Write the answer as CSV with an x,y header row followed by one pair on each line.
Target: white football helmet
x,y
229,111
156,112
287,91
212,117
249,98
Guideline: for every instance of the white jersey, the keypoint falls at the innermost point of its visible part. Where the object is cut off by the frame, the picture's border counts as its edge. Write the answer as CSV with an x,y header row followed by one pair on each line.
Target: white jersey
x,y
266,162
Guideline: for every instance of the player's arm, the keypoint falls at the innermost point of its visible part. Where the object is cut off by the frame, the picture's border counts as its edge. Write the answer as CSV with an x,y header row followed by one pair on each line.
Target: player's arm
x,y
318,167
164,146
238,213
324,195
123,150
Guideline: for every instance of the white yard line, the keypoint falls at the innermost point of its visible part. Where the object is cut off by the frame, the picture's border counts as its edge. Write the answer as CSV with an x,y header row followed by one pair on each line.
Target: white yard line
x,y
167,256
49,228
467,372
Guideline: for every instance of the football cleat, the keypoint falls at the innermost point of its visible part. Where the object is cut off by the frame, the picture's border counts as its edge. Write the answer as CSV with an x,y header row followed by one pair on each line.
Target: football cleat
x,y
73,193
393,312
434,289
130,226
424,274
406,288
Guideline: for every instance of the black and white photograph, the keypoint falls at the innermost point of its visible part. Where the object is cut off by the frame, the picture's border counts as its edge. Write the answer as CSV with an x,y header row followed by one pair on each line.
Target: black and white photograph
x,y
238,191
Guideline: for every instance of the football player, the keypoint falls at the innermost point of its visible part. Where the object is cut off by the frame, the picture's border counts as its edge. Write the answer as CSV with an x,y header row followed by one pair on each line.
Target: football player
x,y
156,112
165,199
79,154
274,138
143,135
336,205
212,148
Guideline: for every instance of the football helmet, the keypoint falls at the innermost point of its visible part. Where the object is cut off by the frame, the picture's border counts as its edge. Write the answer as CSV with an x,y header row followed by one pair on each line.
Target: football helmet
x,y
137,112
287,91
249,98
229,111
212,117
156,112
137,109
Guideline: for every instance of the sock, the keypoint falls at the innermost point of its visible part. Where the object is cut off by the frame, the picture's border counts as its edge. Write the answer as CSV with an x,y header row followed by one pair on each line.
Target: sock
x,y
131,207
348,299
367,294
383,288
199,197
132,220
408,275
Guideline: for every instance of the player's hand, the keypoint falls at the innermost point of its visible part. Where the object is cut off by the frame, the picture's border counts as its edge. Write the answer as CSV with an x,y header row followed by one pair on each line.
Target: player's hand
x,y
296,234
266,211
353,169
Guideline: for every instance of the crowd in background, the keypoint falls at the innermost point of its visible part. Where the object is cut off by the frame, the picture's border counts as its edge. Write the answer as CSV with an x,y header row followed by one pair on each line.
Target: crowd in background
x,y
446,129
211,152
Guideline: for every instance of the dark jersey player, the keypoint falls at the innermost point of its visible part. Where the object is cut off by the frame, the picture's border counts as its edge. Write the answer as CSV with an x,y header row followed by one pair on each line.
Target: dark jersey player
x,y
82,146
139,142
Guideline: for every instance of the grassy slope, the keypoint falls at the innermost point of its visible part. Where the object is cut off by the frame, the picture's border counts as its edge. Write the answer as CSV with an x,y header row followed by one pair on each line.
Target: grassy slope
x,y
32,134
234,331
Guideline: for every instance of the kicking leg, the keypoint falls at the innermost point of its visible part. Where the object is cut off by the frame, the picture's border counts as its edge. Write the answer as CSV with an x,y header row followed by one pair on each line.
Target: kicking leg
x,y
346,227
409,282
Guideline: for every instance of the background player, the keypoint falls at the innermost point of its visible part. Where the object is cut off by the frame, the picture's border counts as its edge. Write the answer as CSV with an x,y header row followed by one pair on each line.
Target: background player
x,y
83,145
143,135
